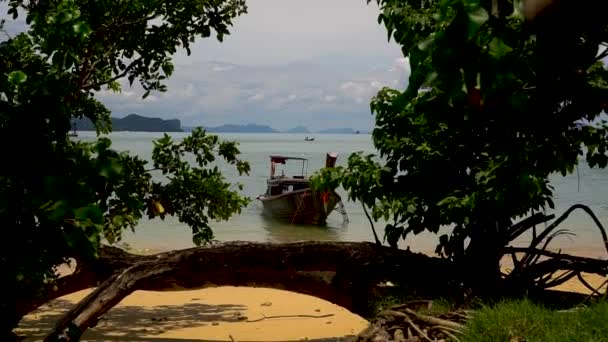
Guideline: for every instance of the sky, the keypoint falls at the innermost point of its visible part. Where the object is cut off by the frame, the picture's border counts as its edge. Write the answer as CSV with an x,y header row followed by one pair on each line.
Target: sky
x,y
287,63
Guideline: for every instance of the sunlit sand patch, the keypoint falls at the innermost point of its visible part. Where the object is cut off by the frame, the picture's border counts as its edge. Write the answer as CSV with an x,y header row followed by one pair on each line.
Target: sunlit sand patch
x,y
216,314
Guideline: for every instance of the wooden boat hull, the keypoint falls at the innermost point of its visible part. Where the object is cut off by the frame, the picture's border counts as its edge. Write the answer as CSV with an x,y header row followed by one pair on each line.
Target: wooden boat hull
x,y
300,206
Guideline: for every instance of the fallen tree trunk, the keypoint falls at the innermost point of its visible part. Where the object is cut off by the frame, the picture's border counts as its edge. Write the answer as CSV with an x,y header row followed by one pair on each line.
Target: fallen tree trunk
x,y
86,275
344,273
354,269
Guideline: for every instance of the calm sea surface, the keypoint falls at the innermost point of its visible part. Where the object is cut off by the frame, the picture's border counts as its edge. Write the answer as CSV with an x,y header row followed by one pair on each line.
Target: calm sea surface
x,y
589,187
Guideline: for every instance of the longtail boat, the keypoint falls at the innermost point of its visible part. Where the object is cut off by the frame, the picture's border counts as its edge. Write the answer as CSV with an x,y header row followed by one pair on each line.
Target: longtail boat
x,y
290,198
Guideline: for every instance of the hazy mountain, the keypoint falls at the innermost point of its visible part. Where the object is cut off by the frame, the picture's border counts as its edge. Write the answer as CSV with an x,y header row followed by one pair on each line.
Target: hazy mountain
x,y
249,128
299,129
338,131
134,123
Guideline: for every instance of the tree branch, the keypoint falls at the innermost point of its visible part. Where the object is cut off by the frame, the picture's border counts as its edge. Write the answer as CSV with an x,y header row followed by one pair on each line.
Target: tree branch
x,y
115,78
371,222
543,235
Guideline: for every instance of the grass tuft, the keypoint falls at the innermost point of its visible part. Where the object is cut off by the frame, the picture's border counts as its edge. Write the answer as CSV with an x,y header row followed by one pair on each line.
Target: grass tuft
x,y
525,321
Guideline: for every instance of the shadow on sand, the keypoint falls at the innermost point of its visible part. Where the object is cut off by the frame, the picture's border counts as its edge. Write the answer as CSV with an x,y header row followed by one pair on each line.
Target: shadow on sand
x,y
133,323
140,324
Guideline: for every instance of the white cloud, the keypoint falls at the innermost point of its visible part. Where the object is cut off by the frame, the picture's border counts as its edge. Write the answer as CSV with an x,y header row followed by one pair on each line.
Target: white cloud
x,y
278,94
325,73
341,27
376,85
402,63
256,97
357,91
186,91
218,68
220,100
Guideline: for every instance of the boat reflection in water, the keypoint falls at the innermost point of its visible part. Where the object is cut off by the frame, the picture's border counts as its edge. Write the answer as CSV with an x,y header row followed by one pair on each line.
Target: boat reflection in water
x,y
282,231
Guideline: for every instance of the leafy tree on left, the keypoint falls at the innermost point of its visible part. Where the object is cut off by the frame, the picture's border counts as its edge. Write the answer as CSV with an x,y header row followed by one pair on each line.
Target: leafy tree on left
x,y
59,198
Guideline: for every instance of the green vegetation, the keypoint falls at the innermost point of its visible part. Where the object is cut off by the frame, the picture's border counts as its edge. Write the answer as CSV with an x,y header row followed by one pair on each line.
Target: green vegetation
x,y
526,321
62,199
500,108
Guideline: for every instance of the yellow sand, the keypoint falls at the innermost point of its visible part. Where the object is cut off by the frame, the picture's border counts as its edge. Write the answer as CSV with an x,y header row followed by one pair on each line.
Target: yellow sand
x,y
212,314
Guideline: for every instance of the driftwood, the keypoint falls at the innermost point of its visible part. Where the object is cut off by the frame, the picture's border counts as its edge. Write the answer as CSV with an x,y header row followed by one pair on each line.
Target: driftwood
x,y
351,271
419,325
541,269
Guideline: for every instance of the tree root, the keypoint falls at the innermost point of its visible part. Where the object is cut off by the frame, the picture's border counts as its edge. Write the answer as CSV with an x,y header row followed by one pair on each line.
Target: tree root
x,y
531,271
419,326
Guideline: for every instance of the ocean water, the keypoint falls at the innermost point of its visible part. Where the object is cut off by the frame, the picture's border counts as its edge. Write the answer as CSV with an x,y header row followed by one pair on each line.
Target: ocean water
x,y
587,186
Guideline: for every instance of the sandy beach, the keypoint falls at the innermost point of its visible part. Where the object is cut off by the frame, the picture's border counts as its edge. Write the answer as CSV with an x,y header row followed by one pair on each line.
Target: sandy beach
x,y
211,314
216,314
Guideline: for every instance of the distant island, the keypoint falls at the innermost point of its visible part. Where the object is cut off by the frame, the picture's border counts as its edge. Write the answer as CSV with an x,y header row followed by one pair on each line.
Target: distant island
x,y
299,129
256,128
139,123
338,131
133,123
249,128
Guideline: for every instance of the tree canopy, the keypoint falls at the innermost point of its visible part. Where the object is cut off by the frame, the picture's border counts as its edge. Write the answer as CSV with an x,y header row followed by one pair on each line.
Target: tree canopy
x,y
493,107
61,198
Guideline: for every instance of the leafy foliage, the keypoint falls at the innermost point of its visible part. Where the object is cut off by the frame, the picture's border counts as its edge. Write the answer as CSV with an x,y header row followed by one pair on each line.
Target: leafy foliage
x,y
61,198
491,110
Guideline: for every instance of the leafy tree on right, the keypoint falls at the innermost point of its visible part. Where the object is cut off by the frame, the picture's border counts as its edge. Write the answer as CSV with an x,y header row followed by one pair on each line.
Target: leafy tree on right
x,y
495,104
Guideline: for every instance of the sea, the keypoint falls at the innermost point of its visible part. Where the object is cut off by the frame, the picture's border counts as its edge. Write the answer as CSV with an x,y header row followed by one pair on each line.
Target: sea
x,y
585,186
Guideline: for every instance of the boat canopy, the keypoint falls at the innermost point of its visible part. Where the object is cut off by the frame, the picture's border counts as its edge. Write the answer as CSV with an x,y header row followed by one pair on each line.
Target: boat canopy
x,y
283,159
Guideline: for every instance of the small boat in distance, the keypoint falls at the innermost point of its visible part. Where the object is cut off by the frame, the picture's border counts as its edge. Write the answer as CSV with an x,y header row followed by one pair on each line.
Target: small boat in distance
x,y
291,199
309,139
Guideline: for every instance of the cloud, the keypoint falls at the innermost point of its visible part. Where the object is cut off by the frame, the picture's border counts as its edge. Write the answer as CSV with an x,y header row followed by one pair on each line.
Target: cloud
x,y
283,95
277,68
256,97
279,31
218,68
360,91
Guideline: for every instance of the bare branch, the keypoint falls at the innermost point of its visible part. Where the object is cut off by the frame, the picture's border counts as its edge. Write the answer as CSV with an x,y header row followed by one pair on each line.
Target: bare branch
x,y
543,235
289,316
115,78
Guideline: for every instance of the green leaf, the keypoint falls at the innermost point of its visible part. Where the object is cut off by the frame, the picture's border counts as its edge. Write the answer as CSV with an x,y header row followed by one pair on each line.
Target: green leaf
x,y
17,77
167,69
498,48
82,29
477,17
91,212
